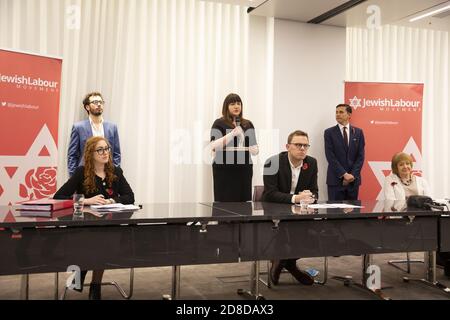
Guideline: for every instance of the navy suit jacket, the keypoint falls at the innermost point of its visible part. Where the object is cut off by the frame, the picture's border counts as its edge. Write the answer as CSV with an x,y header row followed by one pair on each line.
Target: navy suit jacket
x,y
278,178
342,160
81,131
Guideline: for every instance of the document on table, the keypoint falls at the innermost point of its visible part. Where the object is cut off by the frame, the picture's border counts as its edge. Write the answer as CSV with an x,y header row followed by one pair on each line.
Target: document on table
x,y
237,149
115,207
333,205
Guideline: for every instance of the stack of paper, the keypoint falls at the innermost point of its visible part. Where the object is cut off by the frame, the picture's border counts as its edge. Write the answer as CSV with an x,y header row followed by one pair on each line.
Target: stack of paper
x,y
116,207
333,205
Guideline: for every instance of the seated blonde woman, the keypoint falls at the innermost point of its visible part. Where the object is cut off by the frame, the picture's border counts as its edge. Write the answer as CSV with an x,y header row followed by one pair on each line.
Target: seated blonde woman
x,y
401,183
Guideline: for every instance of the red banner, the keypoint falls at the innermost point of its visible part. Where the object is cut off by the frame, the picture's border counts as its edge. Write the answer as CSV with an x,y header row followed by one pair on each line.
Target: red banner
x,y
390,115
29,109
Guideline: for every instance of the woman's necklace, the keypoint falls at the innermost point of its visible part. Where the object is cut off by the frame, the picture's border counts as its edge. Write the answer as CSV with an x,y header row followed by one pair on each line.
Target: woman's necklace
x,y
406,182
102,176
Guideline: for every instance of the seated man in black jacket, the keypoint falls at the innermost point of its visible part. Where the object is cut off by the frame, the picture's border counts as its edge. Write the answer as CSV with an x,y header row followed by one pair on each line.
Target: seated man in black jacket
x,y
291,177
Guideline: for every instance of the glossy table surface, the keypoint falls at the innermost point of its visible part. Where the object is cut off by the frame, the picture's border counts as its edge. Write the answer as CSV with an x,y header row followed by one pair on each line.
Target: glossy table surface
x,y
370,209
205,212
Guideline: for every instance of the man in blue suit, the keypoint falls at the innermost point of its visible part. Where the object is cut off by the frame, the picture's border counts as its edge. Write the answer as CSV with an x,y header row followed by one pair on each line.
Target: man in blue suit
x,y
95,126
344,149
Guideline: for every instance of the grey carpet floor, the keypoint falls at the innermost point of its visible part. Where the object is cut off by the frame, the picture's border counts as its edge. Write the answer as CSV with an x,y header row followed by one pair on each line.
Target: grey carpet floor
x,y
221,281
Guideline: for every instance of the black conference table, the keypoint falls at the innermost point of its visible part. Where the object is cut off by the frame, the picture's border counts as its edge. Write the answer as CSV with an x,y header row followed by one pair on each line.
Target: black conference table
x,y
175,234
444,233
160,234
280,231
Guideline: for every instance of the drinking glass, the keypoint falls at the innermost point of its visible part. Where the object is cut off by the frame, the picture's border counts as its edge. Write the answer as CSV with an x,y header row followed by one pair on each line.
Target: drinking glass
x,y
78,204
304,204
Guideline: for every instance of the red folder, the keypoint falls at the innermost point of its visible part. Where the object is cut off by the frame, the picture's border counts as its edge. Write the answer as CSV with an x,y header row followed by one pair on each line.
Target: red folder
x,y
45,214
45,205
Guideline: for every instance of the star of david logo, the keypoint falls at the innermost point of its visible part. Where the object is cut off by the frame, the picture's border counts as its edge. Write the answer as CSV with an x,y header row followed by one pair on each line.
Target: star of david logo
x,y
355,102
13,169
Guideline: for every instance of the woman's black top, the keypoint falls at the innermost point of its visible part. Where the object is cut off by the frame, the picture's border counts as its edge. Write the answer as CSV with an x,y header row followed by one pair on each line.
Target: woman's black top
x,y
233,170
120,190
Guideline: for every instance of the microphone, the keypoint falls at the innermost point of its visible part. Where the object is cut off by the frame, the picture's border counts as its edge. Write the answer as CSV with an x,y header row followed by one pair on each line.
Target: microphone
x,y
419,202
238,121
423,202
431,206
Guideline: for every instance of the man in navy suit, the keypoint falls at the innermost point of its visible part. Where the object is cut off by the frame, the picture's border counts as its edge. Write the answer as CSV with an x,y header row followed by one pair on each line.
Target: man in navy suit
x,y
93,103
344,149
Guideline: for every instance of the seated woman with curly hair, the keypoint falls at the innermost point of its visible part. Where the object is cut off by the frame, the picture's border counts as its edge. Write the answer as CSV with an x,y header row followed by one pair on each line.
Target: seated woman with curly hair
x,y
101,183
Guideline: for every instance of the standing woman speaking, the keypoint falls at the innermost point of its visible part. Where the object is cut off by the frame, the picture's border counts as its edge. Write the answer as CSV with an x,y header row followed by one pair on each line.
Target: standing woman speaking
x,y
233,140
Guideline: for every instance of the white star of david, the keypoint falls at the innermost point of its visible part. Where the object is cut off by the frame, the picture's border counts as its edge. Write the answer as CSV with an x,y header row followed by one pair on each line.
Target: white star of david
x,y
355,102
30,160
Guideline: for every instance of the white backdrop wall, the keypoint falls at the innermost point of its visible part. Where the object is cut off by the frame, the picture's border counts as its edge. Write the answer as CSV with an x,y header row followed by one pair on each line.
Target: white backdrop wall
x,y
401,54
309,70
164,68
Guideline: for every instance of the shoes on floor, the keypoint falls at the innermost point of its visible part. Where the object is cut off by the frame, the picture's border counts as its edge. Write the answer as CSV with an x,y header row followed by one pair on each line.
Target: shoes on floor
x,y
312,272
300,276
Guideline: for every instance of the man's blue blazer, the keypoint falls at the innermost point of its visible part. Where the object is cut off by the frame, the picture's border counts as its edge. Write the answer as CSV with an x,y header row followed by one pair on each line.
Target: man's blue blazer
x,y
81,131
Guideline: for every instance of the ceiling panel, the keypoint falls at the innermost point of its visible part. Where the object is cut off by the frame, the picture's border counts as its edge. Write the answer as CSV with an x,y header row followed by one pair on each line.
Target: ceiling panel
x,y
244,3
298,10
394,12
391,12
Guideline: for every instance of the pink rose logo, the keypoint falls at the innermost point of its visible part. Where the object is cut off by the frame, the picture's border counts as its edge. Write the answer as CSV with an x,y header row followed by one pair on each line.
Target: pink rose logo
x,y
39,183
305,166
109,192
